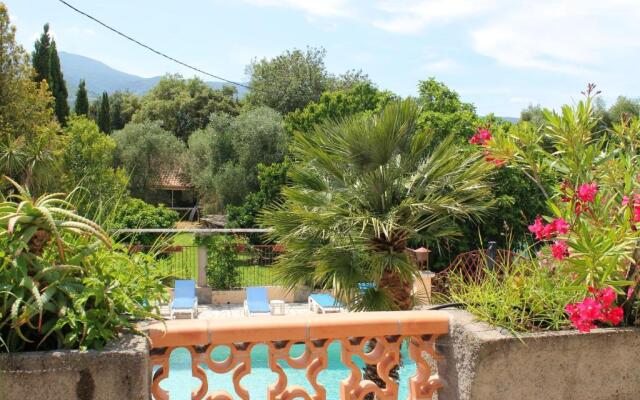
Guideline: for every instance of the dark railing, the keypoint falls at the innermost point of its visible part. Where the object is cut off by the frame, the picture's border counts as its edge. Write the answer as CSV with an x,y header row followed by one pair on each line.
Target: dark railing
x,y
175,261
253,264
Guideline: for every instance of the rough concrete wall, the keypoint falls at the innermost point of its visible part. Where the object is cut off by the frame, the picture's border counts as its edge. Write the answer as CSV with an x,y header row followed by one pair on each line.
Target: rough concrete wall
x,y
121,371
482,363
274,292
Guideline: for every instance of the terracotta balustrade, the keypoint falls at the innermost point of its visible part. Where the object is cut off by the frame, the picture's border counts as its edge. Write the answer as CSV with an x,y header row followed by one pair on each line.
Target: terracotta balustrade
x,y
383,331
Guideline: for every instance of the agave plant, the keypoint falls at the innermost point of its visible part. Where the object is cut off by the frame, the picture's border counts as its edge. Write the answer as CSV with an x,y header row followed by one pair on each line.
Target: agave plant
x,y
39,220
61,285
361,189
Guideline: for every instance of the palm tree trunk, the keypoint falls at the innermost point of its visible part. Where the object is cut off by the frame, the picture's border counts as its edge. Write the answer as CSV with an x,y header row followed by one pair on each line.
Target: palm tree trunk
x,y
400,292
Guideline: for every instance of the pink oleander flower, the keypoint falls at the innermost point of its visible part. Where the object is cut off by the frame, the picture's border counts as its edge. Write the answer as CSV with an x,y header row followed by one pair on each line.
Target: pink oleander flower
x,y
559,250
613,316
606,296
542,231
625,200
600,307
537,228
481,137
587,192
561,226
590,308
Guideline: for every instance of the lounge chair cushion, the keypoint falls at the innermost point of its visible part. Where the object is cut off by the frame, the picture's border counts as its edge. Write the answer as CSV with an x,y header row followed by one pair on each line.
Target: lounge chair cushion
x,y
257,300
325,300
183,303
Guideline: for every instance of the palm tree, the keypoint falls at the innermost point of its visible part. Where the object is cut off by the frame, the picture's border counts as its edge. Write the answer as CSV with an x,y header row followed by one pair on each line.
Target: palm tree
x,y
361,189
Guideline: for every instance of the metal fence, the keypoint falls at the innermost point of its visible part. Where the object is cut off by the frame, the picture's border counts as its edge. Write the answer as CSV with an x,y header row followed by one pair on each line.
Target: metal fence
x,y
252,263
174,261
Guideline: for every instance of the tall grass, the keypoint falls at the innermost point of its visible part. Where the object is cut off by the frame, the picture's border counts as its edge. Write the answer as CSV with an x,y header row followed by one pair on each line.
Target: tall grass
x,y
523,296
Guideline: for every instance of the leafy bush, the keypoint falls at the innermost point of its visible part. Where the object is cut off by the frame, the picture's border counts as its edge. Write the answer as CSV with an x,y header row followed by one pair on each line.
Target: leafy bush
x,y
88,160
136,214
222,261
62,283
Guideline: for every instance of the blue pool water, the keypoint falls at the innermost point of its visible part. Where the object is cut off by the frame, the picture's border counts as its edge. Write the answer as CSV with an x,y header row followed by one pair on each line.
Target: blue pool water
x,y
180,382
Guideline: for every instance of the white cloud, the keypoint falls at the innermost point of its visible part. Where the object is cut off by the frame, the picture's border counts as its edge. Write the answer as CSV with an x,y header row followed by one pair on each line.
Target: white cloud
x,y
576,37
320,8
410,17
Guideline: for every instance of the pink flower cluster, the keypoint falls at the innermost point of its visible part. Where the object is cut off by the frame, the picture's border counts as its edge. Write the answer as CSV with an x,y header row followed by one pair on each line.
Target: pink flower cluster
x,y
559,249
542,231
600,307
635,205
481,137
586,194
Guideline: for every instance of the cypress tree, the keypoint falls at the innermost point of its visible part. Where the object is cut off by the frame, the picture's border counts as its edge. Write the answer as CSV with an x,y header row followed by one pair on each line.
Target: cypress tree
x,y
41,55
104,114
47,67
58,86
82,100
117,122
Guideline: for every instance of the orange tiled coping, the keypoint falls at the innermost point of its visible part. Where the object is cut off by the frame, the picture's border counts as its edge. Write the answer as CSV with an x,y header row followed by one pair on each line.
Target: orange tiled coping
x,y
384,331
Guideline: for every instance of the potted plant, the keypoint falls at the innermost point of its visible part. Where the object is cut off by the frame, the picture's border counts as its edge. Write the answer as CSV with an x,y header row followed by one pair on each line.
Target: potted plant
x,y
69,301
581,274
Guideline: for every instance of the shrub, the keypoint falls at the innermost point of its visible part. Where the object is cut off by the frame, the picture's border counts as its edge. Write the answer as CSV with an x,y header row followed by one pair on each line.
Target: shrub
x,y
62,283
136,214
222,261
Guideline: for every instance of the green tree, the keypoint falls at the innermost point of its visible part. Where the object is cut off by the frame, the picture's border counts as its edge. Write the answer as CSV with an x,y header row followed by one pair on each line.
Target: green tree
x,y
28,130
272,178
41,56
46,63
104,114
146,151
444,113
123,106
289,81
357,98
223,158
534,115
624,107
183,106
58,86
82,100
361,188
88,164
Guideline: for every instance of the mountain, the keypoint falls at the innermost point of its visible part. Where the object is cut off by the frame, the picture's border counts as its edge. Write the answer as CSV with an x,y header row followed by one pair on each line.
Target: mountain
x,y
102,78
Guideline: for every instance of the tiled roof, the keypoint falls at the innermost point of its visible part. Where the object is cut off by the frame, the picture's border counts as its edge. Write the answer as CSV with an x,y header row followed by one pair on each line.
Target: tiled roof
x,y
173,180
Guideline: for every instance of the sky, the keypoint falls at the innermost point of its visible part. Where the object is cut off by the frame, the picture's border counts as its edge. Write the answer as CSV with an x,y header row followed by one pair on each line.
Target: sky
x,y
501,55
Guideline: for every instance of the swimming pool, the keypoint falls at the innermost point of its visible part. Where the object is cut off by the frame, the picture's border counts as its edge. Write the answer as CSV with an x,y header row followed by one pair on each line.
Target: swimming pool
x,y
180,382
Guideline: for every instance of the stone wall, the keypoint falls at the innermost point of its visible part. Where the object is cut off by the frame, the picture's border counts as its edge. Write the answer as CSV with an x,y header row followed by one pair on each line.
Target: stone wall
x,y
221,297
482,363
121,371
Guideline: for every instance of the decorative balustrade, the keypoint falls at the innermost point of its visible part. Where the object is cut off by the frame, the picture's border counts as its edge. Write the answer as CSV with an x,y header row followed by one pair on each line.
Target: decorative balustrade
x,y
375,337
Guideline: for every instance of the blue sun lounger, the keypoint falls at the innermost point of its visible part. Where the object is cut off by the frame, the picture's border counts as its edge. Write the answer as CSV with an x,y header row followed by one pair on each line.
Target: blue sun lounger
x,y
324,303
257,301
184,298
